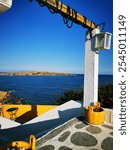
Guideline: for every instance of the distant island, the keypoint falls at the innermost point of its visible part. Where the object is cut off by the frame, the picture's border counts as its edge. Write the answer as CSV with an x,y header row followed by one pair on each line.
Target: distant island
x,y
35,73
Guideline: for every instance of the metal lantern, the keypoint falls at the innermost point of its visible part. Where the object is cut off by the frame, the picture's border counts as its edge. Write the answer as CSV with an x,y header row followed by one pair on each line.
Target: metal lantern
x,y
103,41
5,5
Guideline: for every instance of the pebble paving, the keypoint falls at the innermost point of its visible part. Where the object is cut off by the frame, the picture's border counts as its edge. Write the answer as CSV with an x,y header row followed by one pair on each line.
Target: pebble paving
x,y
107,144
80,125
83,139
47,147
111,133
79,136
64,148
94,130
64,136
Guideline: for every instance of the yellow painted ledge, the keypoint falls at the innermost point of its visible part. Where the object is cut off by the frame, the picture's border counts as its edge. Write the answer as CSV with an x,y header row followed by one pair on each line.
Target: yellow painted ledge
x,y
27,111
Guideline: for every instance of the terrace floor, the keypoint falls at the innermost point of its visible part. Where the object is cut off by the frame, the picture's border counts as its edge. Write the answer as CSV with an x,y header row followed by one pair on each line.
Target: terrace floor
x,y
76,134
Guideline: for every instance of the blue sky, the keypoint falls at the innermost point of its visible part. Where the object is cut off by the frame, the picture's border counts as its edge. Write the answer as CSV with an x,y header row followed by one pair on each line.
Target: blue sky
x,y
33,39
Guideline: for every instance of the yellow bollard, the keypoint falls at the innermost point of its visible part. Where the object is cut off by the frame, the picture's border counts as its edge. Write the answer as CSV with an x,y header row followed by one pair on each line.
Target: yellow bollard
x,y
94,114
17,145
32,142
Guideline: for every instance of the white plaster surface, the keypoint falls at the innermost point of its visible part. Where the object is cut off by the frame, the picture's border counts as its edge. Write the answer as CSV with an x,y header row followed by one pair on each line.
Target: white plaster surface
x,y
62,112
91,71
6,123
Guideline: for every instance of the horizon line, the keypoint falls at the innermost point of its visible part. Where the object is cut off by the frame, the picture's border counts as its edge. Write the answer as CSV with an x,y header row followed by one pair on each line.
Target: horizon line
x,y
53,72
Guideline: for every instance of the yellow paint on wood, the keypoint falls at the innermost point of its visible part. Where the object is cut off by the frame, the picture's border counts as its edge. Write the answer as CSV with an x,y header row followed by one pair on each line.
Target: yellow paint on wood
x,y
73,15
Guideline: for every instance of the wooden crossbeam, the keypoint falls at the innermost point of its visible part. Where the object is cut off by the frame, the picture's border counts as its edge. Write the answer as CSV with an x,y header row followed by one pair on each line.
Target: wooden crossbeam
x,y
68,12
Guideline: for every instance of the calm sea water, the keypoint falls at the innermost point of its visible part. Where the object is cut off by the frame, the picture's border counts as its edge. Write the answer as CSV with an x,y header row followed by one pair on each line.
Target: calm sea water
x,y
44,89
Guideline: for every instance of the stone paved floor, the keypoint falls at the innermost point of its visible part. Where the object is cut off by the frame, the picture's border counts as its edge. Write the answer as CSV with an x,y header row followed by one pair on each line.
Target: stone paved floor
x,y
77,135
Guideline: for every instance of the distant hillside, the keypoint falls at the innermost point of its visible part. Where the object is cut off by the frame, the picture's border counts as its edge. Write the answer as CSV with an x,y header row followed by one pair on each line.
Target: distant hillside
x,y
34,73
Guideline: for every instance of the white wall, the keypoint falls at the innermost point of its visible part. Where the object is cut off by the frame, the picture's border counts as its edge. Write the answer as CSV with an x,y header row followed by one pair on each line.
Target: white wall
x,y
6,123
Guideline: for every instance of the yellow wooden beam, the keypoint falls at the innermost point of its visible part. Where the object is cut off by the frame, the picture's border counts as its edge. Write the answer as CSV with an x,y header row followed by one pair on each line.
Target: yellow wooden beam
x,y
68,12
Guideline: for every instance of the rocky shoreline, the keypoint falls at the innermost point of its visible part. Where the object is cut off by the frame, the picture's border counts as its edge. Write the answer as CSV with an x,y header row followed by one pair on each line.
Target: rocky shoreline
x,y
35,73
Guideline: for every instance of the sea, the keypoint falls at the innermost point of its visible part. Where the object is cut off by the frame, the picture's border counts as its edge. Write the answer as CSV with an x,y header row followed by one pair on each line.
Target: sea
x,y
44,90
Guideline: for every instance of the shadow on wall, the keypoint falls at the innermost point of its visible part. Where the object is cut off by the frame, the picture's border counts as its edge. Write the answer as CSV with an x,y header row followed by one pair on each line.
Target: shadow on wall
x,y
38,128
28,115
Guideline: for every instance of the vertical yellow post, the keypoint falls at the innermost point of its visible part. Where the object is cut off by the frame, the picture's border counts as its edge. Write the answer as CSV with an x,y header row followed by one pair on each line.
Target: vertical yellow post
x,y
32,142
